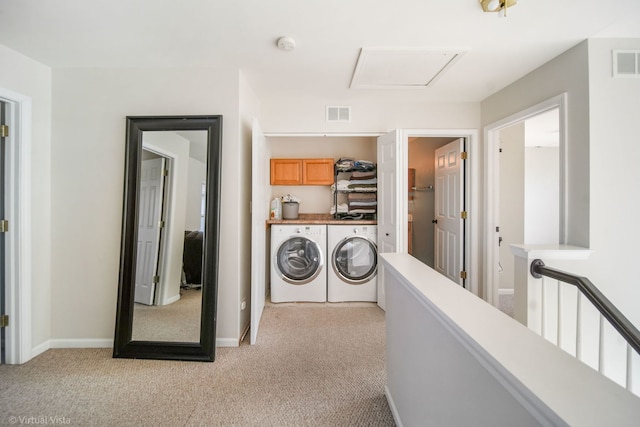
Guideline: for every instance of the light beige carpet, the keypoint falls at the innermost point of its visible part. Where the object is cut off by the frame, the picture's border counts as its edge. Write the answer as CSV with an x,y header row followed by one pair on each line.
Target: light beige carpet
x,y
312,366
179,321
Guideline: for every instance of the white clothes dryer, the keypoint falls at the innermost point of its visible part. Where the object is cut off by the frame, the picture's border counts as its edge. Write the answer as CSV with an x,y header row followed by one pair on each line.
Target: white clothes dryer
x,y
298,271
353,255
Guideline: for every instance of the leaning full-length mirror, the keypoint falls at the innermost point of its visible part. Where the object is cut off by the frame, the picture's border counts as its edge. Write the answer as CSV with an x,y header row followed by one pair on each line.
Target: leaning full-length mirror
x,y
169,253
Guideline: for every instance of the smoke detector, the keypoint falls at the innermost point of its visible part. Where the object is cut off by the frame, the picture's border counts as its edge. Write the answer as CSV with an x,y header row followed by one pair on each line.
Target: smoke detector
x,y
286,43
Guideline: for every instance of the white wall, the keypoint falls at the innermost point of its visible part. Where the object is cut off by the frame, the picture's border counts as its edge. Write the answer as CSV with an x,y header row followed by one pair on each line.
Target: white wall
x,y
249,108
375,114
89,110
29,78
512,198
614,177
542,195
197,175
602,154
566,73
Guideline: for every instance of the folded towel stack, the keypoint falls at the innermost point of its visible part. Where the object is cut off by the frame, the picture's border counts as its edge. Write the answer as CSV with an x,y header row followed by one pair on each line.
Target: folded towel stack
x,y
361,187
364,165
345,164
342,208
362,202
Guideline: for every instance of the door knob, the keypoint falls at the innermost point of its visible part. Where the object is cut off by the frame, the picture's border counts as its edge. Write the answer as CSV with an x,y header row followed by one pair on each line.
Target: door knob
x,y
435,221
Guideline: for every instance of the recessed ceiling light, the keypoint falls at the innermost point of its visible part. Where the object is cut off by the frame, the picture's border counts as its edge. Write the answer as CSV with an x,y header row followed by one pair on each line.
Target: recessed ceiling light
x,y
286,43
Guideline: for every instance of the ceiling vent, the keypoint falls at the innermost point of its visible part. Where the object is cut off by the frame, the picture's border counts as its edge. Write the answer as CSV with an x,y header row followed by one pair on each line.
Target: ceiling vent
x,y
338,114
401,68
626,63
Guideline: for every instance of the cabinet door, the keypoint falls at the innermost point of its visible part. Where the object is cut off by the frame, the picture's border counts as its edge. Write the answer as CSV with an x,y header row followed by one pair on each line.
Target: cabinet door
x,y
286,171
317,171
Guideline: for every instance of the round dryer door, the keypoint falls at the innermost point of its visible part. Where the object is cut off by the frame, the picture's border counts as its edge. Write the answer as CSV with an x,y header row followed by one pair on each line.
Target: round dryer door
x,y
355,260
299,260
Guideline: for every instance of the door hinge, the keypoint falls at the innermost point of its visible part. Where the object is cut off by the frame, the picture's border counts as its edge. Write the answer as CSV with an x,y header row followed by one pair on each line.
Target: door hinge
x,y
165,172
463,275
464,155
463,214
156,279
4,226
4,131
160,224
4,321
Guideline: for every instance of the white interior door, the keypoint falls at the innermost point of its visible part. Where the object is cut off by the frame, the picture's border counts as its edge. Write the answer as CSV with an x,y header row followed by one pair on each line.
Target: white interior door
x,y
150,211
391,235
2,233
449,233
259,214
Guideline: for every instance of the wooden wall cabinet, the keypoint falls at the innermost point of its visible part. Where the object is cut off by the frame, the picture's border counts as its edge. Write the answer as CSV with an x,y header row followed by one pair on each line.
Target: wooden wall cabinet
x,y
286,171
302,171
317,171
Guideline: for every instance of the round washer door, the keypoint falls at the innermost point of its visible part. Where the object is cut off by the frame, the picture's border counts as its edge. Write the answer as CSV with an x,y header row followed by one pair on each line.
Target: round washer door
x,y
355,260
299,260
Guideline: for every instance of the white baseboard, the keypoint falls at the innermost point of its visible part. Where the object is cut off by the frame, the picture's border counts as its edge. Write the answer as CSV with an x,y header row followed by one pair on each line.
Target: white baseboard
x,y
171,300
505,291
82,343
102,343
71,343
39,349
227,342
392,406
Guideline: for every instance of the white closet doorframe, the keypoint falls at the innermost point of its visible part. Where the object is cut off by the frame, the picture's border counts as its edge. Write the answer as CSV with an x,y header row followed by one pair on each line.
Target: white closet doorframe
x,y
18,239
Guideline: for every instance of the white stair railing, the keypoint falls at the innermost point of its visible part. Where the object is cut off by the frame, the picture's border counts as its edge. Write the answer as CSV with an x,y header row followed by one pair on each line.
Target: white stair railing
x,y
453,359
569,320
574,321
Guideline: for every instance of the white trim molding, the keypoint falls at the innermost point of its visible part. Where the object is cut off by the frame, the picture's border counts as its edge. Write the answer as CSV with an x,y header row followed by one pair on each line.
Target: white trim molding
x,y
492,181
18,261
81,343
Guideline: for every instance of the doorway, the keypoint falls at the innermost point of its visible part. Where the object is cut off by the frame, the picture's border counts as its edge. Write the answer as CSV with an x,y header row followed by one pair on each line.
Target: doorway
x,y
525,189
184,156
393,218
421,196
150,224
3,227
529,191
17,240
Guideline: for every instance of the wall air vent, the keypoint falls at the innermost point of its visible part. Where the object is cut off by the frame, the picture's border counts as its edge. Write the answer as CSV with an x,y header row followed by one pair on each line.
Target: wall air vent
x,y
338,114
626,63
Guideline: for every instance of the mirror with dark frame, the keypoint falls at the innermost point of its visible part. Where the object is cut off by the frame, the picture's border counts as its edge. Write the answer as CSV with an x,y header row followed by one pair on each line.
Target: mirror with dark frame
x,y
169,253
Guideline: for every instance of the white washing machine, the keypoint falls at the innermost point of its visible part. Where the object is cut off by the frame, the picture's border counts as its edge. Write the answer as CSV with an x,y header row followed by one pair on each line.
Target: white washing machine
x,y
298,270
353,259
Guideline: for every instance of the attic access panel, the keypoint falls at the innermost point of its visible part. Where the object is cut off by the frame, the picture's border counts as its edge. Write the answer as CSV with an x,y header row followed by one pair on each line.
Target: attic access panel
x,y
401,68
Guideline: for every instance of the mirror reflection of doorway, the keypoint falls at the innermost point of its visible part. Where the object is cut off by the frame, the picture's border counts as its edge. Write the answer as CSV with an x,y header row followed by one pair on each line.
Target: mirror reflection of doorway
x,y
150,224
168,294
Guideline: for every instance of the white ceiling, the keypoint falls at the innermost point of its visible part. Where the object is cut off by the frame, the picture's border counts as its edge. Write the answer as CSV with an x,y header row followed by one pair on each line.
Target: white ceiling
x,y
329,35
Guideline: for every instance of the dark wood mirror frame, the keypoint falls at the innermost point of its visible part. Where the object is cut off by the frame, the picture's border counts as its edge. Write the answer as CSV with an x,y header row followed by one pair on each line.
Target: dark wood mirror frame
x,y
124,346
